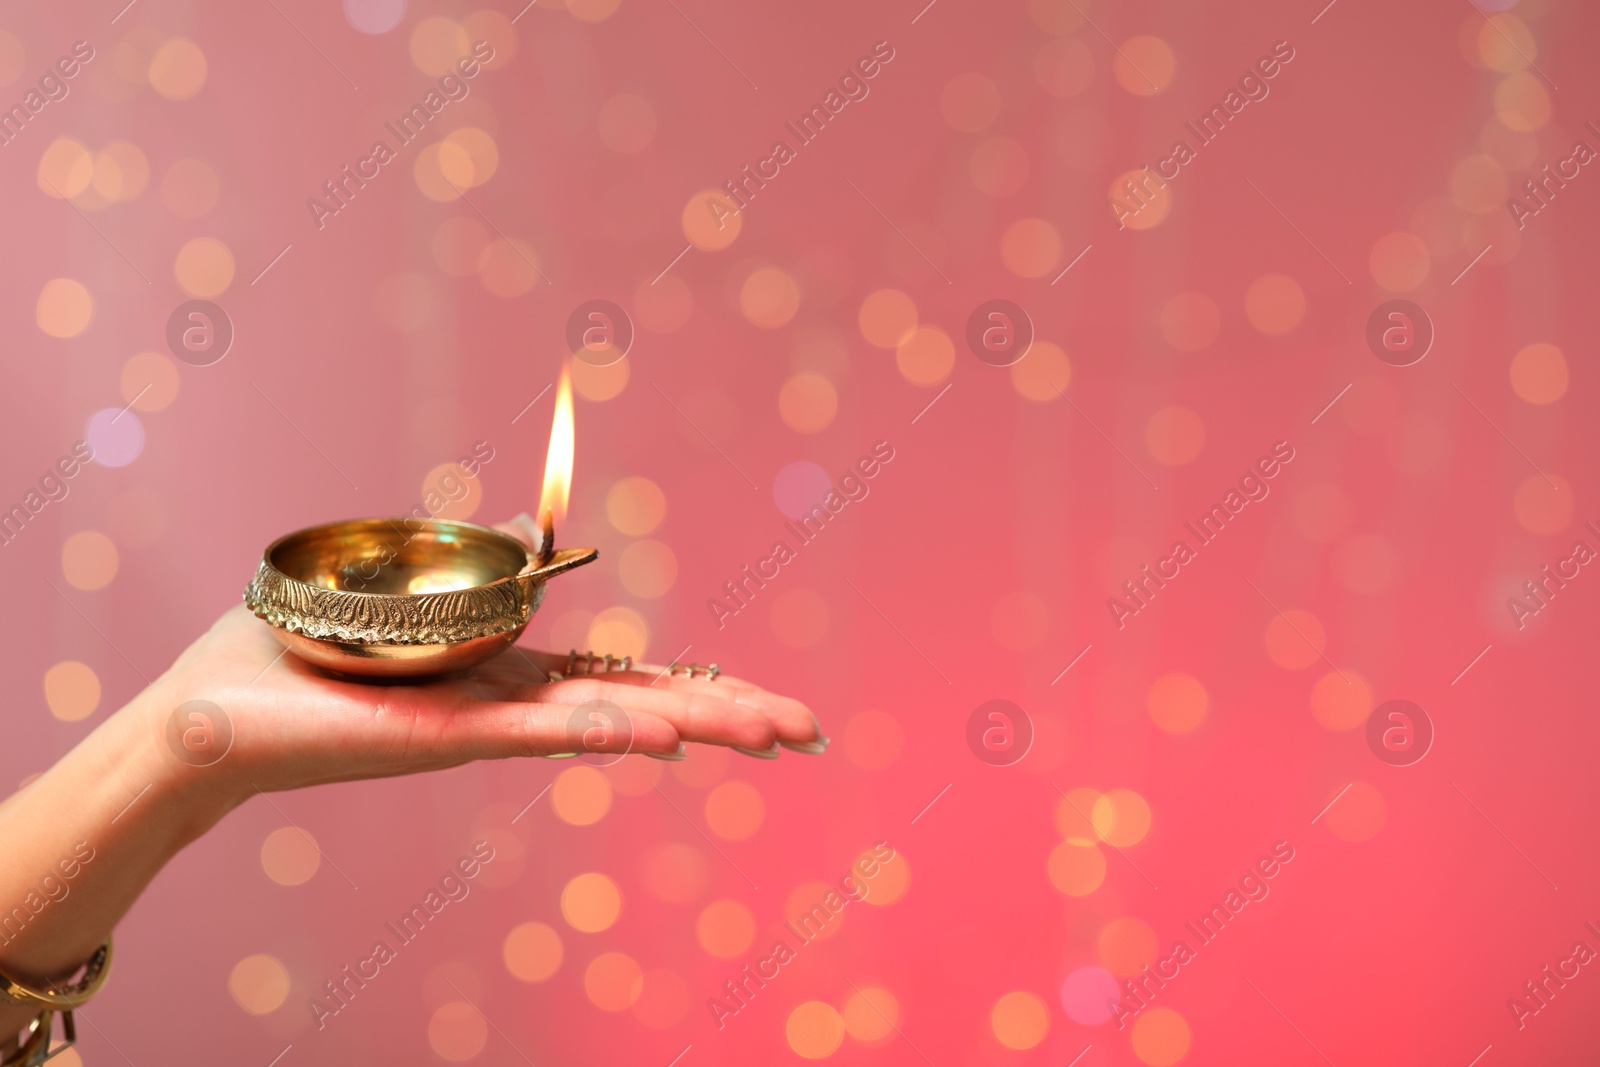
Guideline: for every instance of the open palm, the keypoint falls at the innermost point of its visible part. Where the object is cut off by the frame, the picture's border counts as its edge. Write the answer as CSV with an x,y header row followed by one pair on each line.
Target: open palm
x,y
284,724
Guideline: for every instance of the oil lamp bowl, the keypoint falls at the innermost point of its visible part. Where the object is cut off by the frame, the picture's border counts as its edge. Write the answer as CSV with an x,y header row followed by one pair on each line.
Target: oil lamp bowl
x,y
401,599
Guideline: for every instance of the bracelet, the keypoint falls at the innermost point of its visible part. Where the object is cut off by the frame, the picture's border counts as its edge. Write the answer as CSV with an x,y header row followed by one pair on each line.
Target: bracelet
x,y
33,1048
95,973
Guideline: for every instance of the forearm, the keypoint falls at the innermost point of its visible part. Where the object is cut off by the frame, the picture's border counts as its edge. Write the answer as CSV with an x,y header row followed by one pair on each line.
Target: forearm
x,y
81,842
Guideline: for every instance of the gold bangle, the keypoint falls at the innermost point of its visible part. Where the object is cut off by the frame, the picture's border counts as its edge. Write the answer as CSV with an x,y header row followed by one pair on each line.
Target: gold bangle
x,y
56,998
34,1049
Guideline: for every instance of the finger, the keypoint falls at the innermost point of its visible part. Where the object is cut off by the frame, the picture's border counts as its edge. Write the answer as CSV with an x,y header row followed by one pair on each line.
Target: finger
x,y
513,728
696,716
791,720
378,732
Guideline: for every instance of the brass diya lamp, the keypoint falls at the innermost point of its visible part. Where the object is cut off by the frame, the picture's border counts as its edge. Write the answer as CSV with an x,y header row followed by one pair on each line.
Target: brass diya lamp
x,y
407,598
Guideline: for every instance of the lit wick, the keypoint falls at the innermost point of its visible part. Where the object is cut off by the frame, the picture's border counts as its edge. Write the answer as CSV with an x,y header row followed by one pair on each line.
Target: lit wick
x,y
547,536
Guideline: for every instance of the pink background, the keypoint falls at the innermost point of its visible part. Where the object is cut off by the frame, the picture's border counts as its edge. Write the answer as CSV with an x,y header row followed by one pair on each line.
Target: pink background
x,y
1403,924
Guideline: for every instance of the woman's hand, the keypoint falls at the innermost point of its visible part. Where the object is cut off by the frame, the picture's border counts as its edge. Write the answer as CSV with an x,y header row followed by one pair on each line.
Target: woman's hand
x,y
237,714
289,725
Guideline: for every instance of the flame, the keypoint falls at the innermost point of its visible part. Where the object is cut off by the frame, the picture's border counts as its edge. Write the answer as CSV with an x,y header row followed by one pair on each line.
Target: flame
x,y
558,461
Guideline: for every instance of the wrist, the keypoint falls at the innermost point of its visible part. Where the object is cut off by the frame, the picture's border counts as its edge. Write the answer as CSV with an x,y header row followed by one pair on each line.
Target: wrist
x,y
175,750
85,838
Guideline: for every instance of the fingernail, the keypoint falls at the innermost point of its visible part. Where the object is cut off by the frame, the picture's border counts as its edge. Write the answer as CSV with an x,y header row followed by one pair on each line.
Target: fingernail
x,y
561,755
758,753
810,748
671,757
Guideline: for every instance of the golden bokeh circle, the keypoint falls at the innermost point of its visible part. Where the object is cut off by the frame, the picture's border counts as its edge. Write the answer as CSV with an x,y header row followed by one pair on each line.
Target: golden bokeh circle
x,y
149,381
204,267
437,44
711,220
1144,65
814,1030
1019,1020
498,30
647,569
621,631
1076,868
71,690
613,981
508,268
64,308
532,952
1295,639
89,560
178,69
871,1014
769,297
449,492
1543,504
1505,43
725,928
1522,102
1539,373
259,984
887,317
636,506
1160,1037
289,856
599,383
593,10
893,880
1178,703
1275,304
1043,374
1072,815
808,402
1030,248
580,796
65,169
1126,945
1399,261
1121,817
664,1001
1341,700
735,810
457,1031
926,356
1175,436
591,902
1358,815
1139,199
